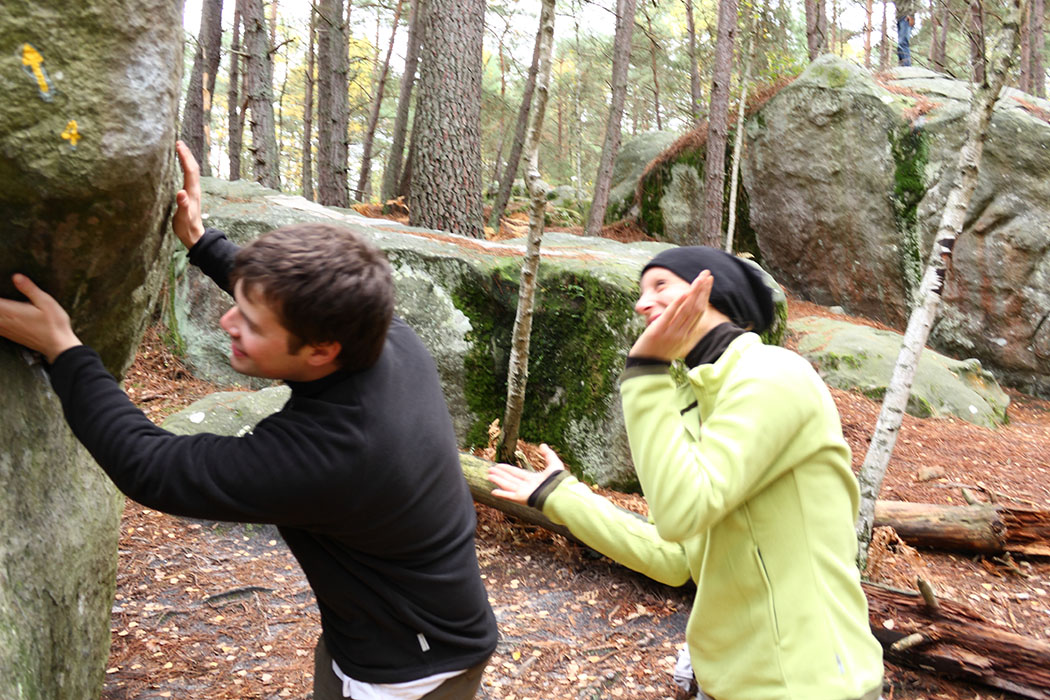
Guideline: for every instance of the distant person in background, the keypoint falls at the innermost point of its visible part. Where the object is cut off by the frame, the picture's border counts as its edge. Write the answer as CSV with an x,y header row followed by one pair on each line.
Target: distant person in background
x,y
905,22
749,487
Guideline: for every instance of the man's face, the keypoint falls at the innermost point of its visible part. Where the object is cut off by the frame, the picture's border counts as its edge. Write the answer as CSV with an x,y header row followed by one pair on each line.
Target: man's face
x,y
259,343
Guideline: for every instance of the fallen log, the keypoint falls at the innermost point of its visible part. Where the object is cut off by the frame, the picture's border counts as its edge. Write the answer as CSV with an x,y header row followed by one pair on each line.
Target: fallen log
x,y
945,638
989,528
957,642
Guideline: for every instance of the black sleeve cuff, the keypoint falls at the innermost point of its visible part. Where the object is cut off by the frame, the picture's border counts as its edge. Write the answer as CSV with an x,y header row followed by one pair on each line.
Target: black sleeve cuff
x,y
644,361
539,496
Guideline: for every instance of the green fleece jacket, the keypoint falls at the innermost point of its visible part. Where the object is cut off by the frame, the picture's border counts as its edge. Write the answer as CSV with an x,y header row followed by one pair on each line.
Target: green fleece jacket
x,y
751,495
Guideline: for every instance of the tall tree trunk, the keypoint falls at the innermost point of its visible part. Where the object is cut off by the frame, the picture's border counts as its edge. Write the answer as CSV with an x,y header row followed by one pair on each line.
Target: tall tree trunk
x,y
1037,39
611,146
506,182
867,33
445,192
258,80
234,109
976,36
931,55
308,112
985,95
738,141
1024,73
695,94
392,170
717,120
884,46
518,368
196,115
333,111
816,27
653,50
940,59
377,102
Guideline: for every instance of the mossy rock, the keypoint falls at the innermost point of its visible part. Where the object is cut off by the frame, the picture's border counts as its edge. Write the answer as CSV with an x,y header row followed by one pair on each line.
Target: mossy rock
x,y
861,358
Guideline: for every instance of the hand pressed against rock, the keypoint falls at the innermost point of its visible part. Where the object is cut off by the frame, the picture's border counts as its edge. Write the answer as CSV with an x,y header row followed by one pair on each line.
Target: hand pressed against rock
x,y
187,222
41,324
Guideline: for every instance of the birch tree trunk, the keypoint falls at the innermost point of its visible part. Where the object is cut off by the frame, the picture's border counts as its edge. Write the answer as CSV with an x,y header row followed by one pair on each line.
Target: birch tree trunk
x,y
718,125
976,36
985,95
373,115
940,59
611,146
196,115
518,367
332,104
234,110
395,157
695,94
258,82
738,140
506,182
308,112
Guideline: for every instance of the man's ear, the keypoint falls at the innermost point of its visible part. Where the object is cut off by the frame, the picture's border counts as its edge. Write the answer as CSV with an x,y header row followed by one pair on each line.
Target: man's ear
x,y
320,354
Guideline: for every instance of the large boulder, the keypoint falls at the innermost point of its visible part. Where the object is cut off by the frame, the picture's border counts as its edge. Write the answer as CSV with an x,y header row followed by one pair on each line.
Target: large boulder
x,y
847,177
861,358
460,295
87,127
631,161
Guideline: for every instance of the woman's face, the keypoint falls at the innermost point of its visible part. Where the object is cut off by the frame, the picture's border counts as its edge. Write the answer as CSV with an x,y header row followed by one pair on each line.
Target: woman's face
x,y
659,288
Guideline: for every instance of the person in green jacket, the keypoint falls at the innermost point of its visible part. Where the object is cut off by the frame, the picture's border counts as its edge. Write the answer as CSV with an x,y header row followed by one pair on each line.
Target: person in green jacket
x,y
749,487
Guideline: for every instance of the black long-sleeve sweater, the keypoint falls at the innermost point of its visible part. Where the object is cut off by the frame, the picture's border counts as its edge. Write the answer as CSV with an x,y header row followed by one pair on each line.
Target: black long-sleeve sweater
x,y
359,471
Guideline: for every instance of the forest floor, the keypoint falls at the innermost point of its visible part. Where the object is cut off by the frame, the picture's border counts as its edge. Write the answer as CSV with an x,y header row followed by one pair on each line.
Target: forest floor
x,y
219,610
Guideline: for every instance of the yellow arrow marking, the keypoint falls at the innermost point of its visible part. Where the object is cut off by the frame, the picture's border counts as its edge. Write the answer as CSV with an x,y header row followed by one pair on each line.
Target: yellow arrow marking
x,y
32,60
71,134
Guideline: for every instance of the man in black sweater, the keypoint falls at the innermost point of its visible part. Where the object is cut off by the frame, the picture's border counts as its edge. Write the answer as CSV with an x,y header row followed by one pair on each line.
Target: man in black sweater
x,y
359,470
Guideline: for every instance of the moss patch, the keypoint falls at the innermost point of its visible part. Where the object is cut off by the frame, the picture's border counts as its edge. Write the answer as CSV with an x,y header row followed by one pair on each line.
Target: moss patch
x,y
576,350
910,154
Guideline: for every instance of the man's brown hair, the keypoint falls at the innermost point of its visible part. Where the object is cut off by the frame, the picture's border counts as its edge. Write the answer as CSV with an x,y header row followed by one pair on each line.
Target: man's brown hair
x,y
325,283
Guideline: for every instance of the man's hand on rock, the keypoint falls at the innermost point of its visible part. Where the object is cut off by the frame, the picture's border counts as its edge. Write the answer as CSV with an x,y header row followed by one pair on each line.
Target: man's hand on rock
x,y
187,222
41,324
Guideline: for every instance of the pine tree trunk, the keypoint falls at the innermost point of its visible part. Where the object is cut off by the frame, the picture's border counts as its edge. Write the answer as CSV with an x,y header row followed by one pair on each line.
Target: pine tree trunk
x,y
506,182
518,367
940,60
931,55
373,115
611,146
1036,41
308,112
445,192
938,266
234,110
884,47
196,115
653,50
258,81
695,94
867,33
1024,75
717,129
816,27
392,169
333,112
976,36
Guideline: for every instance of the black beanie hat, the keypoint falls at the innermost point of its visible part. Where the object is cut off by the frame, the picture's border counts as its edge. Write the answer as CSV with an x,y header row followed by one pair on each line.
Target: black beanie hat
x,y
739,291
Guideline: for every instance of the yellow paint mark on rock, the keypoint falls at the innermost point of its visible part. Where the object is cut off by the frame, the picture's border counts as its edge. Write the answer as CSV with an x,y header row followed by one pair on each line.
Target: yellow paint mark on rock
x,y
71,133
33,62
